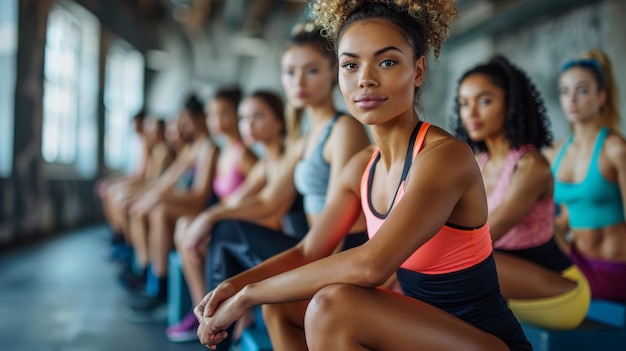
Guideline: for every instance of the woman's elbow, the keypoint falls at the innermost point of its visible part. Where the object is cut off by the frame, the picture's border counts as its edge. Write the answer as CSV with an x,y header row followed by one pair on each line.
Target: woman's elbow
x,y
372,275
376,279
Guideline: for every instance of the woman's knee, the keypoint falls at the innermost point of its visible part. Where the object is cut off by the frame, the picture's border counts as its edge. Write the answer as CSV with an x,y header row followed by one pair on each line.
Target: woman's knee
x,y
138,219
329,306
157,213
179,230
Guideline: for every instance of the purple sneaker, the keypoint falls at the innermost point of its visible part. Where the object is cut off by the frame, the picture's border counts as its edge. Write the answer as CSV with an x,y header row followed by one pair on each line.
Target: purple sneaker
x,y
186,330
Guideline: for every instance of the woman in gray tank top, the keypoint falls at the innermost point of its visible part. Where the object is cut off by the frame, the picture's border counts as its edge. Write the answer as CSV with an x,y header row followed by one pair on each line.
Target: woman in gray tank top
x,y
315,159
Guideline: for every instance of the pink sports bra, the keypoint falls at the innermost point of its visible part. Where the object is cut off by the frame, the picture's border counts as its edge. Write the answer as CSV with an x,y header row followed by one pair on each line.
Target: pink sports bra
x,y
227,181
536,227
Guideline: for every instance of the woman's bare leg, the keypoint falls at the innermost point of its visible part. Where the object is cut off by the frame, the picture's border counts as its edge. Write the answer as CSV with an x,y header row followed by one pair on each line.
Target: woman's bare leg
x,y
193,272
139,239
346,317
162,220
119,203
107,199
285,324
522,279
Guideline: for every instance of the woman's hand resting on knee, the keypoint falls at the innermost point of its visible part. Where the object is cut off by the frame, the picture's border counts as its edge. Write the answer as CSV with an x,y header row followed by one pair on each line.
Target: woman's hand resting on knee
x,y
217,311
197,237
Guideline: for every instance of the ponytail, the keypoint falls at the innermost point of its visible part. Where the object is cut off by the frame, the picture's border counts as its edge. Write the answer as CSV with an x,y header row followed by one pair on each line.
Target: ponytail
x,y
609,114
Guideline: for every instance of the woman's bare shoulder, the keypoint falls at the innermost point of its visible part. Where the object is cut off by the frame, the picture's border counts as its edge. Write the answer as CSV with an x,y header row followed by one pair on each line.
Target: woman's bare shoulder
x,y
533,166
359,160
551,151
441,140
615,147
352,172
348,129
444,155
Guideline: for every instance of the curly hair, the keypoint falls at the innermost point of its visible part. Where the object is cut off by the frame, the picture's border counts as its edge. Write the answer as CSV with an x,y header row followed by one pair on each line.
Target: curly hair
x,y
526,122
426,23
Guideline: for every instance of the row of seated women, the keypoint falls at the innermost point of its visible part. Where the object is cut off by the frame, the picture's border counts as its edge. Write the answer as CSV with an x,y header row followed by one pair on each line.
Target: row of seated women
x,y
262,197
545,279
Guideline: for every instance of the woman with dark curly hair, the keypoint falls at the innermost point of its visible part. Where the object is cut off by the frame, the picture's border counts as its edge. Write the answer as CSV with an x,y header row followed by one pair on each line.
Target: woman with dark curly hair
x,y
423,199
502,117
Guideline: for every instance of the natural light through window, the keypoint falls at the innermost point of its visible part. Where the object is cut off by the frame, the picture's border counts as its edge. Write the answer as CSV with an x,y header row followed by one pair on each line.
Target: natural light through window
x,y
70,87
8,68
122,100
61,87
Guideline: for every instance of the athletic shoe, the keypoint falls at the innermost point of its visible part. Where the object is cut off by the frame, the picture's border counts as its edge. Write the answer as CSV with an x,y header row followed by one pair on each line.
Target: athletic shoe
x,y
186,330
131,280
146,309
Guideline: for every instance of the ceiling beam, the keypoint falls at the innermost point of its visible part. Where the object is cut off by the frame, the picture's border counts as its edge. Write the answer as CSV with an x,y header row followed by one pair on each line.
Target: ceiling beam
x,y
508,16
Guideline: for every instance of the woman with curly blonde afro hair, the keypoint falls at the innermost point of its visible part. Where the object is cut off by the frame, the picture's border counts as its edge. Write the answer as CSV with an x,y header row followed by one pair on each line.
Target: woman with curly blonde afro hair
x,y
422,195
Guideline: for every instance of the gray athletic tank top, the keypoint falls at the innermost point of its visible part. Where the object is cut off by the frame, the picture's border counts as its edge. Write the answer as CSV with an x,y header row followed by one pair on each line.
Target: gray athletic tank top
x,y
312,174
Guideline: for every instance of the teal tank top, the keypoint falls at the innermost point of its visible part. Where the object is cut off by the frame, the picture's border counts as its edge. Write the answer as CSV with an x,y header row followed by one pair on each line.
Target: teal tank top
x,y
312,174
594,202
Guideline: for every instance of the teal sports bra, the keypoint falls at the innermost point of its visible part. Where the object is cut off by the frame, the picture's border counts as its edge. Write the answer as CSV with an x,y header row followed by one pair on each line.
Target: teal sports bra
x,y
594,202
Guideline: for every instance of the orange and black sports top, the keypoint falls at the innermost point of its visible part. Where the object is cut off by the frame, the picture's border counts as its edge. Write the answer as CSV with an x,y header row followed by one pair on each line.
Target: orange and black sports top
x,y
453,248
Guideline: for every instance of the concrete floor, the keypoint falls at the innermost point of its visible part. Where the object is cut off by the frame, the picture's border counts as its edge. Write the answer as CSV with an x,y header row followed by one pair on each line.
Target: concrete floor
x,y
61,294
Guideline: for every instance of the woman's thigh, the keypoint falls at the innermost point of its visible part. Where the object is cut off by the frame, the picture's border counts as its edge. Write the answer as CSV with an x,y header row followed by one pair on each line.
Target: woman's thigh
x,y
170,212
379,319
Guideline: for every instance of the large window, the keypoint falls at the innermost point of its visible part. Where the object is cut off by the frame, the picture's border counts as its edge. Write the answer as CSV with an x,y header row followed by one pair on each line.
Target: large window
x,y
123,98
8,51
70,88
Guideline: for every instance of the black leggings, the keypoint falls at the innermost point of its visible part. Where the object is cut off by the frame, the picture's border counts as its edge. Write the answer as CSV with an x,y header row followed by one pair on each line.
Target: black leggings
x,y
237,246
547,255
473,295
354,240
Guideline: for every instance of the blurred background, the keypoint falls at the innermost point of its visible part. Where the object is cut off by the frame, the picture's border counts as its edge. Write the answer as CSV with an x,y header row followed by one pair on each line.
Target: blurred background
x,y
73,73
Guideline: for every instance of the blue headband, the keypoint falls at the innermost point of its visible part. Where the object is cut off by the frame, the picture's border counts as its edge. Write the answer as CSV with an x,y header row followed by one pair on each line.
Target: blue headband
x,y
587,63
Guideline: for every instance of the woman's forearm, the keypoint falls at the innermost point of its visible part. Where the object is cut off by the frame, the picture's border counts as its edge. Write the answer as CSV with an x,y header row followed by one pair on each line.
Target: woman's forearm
x,y
278,264
301,283
252,209
185,198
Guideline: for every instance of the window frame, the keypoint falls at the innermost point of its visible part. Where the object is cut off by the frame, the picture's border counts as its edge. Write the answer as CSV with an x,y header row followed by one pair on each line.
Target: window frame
x,y
82,162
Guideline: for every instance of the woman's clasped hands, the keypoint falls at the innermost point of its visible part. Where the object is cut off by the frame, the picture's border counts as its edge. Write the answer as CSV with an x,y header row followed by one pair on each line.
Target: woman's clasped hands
x,y
217,311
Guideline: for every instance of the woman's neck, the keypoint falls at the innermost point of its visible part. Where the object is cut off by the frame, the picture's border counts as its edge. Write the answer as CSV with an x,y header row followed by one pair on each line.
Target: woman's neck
x,y
200,136
321,113
273,149
392,138
232,139
498,147
586,133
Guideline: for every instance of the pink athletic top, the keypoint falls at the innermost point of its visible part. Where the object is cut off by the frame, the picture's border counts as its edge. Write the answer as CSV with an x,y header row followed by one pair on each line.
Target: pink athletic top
x,y
536,227
451,249
227,181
